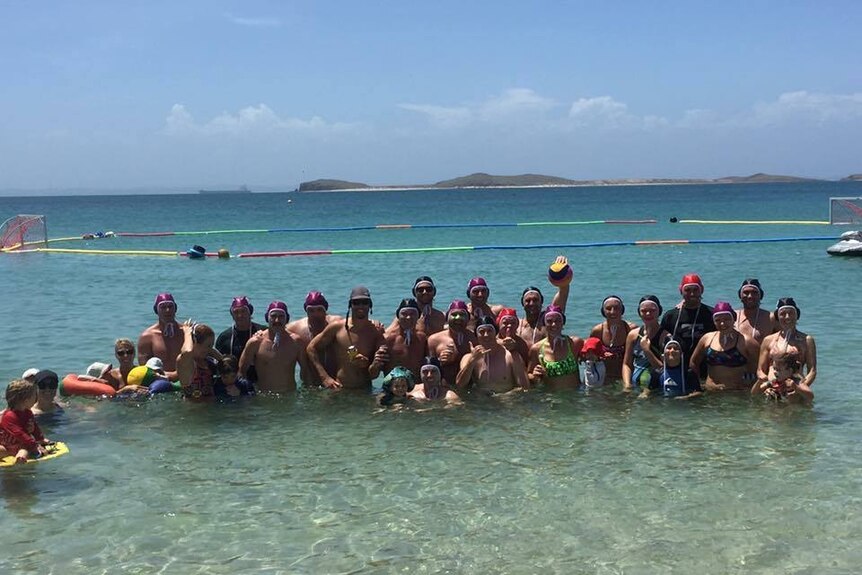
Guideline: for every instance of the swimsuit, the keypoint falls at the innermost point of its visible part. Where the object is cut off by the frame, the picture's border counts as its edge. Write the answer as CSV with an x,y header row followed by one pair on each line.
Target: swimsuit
x,y
202,382
674,382
641,374
19,430
730,358
566,366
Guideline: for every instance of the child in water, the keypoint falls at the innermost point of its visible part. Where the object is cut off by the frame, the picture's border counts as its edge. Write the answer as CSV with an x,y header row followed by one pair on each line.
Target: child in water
x,y
785,382
19,433
675,379
229,383
593,355
396,385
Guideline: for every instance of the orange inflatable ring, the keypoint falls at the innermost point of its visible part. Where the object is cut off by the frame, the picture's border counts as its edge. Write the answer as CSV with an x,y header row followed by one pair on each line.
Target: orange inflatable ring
x,y
79,385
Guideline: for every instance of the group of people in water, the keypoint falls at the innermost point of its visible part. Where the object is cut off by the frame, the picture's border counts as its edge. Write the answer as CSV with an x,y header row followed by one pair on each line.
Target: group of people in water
x,y
471,347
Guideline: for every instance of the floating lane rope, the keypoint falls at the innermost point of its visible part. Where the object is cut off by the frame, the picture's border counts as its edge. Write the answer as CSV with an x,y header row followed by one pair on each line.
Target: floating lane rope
x,y
758,222
583,245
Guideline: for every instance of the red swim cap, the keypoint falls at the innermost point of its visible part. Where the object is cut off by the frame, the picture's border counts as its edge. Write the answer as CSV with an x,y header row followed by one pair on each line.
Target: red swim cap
x,y
690,279
506,312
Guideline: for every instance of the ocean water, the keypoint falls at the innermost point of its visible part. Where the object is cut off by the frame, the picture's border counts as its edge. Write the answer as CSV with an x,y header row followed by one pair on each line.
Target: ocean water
x,y
328,483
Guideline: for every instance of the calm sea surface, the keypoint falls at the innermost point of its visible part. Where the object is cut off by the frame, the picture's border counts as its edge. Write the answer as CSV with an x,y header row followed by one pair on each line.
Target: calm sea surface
x,y
323,483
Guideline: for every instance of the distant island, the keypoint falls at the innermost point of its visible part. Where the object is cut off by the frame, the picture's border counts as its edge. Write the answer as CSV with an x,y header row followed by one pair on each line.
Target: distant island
x,y
482,180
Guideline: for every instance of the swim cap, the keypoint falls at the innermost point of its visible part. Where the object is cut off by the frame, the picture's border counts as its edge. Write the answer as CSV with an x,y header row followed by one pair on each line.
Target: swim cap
x,y
651,298
751,282
486,320
690,279
396,373
532,289
459,305
141,375
432,362
560,274
277,305
506,312
241,301
616,297
408,303
723,307
424,280
787,302
671,342
476,282
161,298
223,254
315,298
554,309
594,345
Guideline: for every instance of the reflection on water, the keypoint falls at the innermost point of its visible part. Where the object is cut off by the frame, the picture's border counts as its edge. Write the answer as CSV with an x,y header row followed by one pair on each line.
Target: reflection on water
x,y
327,483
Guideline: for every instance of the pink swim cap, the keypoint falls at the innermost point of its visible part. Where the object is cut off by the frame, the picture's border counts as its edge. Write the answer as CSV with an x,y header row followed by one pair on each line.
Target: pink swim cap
x,y
459,305
161,298
315,298
280,305
241,301
723,307
476,282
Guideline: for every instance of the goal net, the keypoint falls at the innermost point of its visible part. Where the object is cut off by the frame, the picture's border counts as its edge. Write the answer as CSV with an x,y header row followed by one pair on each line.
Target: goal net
x,y
23,232
845,211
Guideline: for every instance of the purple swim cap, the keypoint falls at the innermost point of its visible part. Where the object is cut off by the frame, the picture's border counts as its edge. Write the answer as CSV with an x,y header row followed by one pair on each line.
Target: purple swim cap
x,y
276,305
457,304
476,282
315,298
161,298
723,307
241,301
555,309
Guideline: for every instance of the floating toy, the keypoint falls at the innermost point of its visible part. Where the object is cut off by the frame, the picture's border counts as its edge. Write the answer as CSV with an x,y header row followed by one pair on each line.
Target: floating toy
x,y
84,385
141,375
54,450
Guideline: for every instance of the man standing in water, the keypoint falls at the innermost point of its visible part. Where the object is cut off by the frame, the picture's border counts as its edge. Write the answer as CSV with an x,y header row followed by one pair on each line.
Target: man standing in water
x,y
317,318
532,328
274,353
752,321
357,343
406,344
163,339
431,320
449,346
688,322
489,366
232,340
477,293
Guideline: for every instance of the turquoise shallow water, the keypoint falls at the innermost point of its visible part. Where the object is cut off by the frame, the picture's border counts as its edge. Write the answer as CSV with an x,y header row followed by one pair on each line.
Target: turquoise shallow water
x,y
564,483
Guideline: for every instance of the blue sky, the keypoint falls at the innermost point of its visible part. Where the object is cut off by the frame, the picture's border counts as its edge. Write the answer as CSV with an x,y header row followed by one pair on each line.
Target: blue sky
x,y
216,93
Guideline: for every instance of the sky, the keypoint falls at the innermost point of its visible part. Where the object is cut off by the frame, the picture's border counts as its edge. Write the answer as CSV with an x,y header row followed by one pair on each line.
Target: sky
x,y
198,94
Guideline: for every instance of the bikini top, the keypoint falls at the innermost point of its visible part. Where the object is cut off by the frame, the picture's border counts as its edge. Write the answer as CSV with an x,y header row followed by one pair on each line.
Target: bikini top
x,y
566,366
639,357
730,358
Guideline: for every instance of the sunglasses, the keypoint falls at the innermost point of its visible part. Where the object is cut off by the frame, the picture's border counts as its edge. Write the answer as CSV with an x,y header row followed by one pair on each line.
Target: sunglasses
x,y
364,302
424,289
456,314
125,352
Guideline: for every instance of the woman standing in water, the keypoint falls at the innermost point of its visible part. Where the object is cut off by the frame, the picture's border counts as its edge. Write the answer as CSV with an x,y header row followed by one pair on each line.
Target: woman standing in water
x,y
554,359
788,341
728,353
613,332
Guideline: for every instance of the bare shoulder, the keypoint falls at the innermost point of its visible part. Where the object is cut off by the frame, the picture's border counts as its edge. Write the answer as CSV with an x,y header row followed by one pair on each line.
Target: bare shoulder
x,y
597,330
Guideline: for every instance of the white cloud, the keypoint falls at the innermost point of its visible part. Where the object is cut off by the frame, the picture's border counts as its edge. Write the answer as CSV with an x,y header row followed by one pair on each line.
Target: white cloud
x,y
252,120
510,106
811,106
257,22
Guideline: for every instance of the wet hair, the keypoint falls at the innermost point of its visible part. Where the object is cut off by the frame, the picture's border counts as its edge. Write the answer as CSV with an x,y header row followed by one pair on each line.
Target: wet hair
x,y
787,302
201,331
124,342
788,360
18,391
228,364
